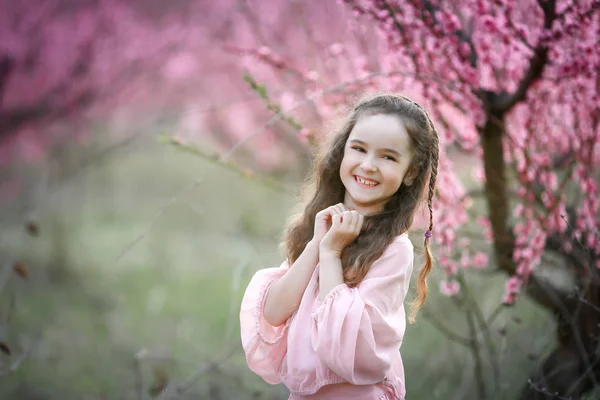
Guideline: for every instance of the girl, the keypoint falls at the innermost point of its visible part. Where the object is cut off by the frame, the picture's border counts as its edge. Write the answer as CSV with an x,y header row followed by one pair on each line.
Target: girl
x,y
329,322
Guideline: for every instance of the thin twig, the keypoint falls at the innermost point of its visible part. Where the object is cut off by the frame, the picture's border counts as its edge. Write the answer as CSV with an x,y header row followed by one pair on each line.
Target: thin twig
x,y
484,330
209,366
455,337
137,371
214,159
495,314
478,366
24,354
545,391
235,284
5,275
226,156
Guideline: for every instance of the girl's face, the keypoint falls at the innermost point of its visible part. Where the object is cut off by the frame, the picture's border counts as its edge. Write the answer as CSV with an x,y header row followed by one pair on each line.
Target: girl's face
x,y
377,157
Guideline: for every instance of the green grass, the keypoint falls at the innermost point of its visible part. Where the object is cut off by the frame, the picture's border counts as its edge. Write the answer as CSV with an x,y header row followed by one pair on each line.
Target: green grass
x,y
89,308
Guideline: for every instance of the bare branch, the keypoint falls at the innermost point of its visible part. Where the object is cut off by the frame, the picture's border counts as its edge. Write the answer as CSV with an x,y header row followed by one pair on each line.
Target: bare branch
x,y
478,365
439,325
209,366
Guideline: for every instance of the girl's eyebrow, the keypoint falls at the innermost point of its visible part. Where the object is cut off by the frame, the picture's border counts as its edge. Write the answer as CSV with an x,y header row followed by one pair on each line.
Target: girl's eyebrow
x,y
358,141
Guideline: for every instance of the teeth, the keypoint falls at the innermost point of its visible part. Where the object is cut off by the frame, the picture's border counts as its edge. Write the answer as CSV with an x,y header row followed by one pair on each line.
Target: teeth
x,y
368,183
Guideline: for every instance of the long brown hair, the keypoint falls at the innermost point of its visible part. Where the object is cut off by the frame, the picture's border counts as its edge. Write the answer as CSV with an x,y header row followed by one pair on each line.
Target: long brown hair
x,y
324,188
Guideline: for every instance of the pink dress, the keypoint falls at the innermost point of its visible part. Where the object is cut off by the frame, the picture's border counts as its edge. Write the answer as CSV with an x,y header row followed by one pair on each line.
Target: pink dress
x,y
344,347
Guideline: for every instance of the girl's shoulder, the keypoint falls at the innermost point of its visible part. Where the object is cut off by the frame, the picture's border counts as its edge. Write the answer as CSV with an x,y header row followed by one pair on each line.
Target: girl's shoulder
x,y
398,253
403,238
400,245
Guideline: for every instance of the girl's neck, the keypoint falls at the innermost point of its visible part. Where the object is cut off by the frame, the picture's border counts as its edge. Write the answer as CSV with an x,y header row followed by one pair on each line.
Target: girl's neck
x,y
366,211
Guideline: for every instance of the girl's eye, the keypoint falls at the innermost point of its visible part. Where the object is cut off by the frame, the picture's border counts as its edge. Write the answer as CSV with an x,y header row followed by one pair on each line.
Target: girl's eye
x,y
389,158
358,149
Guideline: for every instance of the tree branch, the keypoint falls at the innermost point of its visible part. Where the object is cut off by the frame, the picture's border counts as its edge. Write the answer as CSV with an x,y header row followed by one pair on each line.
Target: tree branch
x,y
13,119
501,103
453,336
478,363
7,66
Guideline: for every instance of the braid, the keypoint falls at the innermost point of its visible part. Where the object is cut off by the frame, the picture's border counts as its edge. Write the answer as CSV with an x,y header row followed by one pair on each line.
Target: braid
x,y
433,160
426,140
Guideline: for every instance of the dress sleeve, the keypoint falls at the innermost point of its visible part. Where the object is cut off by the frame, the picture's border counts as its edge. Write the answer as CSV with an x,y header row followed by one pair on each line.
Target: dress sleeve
x,y
265,345
358,331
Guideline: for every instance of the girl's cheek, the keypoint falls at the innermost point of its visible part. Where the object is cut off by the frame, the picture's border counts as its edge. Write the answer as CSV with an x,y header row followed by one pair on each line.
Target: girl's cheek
x,y
356,159
348,162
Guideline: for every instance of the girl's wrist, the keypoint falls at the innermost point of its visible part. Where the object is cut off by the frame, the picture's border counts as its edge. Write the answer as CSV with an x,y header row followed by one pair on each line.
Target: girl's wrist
x,y
326,252
313,244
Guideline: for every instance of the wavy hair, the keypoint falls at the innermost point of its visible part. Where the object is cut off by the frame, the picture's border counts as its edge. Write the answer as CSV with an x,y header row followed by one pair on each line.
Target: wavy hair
x,y
324,188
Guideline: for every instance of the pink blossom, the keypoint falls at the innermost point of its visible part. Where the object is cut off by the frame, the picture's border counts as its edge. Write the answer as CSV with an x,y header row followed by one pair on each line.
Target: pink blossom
x,y
479,174
518,210
451,268
567,247
509,298
465,261
305,134
484,222
287,100
513,284
512,288
480,260
312,76
449,288
264,51
336,49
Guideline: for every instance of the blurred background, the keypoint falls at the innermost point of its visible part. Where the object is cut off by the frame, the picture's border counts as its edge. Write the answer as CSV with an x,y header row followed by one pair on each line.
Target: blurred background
x,y
151,153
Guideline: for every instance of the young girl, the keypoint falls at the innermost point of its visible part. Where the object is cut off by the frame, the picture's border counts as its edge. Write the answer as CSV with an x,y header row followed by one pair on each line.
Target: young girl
x,y
329,322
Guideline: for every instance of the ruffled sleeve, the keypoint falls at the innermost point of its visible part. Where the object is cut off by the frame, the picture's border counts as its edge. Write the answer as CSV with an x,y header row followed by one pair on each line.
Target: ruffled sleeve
x,y
357,332
265,345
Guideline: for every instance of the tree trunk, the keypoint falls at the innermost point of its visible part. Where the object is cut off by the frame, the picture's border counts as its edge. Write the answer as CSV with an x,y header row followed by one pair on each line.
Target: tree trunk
x,y
570,370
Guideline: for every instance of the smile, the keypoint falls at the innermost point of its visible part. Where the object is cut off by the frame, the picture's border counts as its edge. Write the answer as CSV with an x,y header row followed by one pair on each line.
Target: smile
x,y
365,182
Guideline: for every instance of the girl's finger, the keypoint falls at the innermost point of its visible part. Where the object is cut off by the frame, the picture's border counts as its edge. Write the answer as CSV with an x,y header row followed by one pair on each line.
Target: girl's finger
x,y
329,212
361,220
355,221
336,220
334,209
348,219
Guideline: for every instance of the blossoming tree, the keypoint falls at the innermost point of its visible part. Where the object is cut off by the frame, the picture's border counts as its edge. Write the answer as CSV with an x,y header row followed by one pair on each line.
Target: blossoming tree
x,y
515,84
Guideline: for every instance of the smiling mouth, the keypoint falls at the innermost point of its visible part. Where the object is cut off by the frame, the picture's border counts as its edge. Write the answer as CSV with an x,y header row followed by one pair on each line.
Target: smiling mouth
x,y
365,182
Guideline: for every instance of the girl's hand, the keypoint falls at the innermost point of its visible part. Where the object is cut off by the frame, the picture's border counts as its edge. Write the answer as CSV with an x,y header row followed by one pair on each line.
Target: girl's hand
x,y
323,220
344,229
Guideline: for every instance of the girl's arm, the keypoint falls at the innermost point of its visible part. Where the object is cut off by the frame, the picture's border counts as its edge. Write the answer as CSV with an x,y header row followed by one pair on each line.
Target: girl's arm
x,y
330,273
286,292
357,332
345,227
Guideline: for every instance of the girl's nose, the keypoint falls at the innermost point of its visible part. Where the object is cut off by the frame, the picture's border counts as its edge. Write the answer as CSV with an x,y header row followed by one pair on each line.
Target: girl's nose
x,y
368,165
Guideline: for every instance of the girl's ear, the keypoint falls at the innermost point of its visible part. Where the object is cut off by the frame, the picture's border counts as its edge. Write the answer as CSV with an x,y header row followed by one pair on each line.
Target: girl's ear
x,y
410,175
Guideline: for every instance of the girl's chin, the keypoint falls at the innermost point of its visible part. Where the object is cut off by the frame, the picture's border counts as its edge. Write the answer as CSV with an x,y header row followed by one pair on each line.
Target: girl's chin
x,y
364,202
